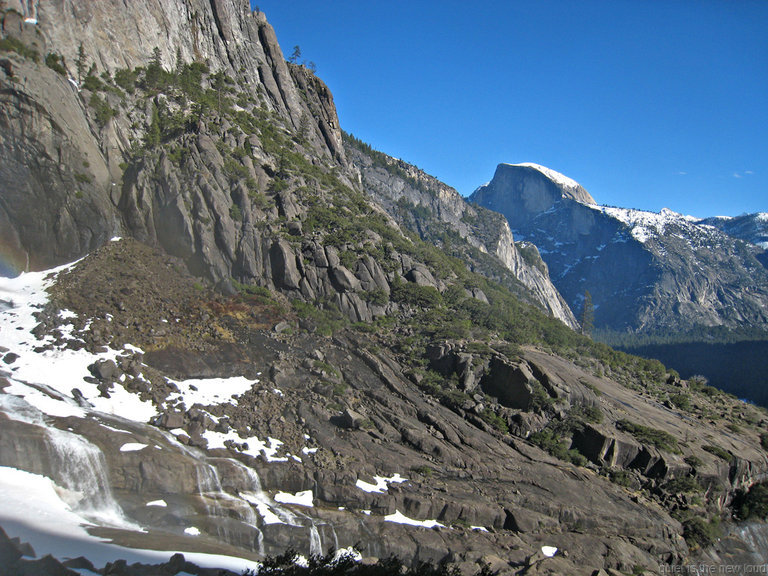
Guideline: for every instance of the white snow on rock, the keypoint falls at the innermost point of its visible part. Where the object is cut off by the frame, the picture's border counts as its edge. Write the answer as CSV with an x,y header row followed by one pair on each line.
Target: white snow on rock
x,y
263,505
158,503
210,391
255,447
553,175
645,225
304,498
46,378
381,483
132,447
51,527
192,531
399,518
548,551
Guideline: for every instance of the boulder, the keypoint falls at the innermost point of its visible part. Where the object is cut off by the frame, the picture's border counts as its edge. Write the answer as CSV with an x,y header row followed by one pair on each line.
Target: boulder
x,y
343,280
510,383
421,275
285,272
105,370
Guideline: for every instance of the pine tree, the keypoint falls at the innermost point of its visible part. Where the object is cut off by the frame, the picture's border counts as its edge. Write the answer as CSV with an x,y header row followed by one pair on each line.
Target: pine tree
x,y
80,63
295,55
587,315
156,58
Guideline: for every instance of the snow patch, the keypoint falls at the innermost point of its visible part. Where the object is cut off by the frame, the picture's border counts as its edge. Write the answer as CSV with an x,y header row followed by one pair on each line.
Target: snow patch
x,y
553,175
192,531
210,391
548,551
304,498
254,446
645,225
381,483
132,447
158,503
47,377
399,518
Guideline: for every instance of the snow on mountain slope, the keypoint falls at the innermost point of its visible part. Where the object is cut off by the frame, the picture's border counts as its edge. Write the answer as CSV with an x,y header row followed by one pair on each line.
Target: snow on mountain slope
x,y
77,442
752,228
553,175
645,225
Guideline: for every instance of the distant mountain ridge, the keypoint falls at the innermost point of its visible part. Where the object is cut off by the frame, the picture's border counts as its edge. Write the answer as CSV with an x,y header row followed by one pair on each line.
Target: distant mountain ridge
x,y
752,228
646,272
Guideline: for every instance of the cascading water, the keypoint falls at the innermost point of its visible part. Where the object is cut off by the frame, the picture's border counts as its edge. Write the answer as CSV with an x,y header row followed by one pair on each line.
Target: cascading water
x,y
226,508
76,466
315,543
80,469
250,495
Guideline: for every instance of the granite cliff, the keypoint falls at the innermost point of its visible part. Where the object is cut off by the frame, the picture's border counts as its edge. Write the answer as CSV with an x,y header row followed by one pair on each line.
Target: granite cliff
x,y
275,339
646,272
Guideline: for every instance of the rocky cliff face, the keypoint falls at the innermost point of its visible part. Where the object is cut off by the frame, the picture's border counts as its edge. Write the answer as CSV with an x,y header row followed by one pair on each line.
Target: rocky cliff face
x,y
431,209
752,228
71,174
645,272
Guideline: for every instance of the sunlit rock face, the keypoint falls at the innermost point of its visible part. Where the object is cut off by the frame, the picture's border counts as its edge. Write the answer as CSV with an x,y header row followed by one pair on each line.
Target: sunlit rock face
x,y
647,272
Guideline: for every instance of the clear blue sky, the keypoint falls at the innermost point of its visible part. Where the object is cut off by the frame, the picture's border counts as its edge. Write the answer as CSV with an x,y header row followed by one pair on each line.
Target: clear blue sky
x,y
647,103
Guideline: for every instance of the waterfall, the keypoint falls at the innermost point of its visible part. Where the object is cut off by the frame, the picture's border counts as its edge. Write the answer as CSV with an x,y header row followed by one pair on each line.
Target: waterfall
x,y
270,511
315,544
226,507
273,513
80,470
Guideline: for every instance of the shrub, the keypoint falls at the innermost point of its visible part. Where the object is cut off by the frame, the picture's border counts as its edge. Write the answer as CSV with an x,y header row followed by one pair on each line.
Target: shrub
x,y
235,212
495,421
11,44
717,451
323,321
662,440
92,83
751,504
693,461
682,401
102,110
126,79
551,442
56,63
410,293
699,532
377,297
686,484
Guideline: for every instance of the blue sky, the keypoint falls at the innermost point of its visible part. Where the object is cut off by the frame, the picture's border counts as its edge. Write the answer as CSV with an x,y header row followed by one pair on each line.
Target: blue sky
x,y
647,103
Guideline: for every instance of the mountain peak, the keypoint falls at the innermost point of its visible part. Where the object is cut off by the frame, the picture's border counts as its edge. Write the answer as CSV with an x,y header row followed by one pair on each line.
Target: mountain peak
x,y
568,186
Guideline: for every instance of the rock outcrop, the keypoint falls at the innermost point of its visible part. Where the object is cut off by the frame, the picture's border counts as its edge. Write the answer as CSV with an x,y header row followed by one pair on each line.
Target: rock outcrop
x,y
75,166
